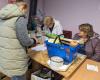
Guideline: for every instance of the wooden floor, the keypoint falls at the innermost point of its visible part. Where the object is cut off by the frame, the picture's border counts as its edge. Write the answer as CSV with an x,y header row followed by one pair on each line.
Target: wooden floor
x,y
28,75
6,78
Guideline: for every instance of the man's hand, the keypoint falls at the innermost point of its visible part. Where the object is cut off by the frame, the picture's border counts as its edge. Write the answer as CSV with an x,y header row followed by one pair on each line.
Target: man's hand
x,y
34,37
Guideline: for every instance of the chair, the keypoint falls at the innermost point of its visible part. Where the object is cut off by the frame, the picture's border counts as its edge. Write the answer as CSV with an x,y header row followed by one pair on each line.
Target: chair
x,y
67,34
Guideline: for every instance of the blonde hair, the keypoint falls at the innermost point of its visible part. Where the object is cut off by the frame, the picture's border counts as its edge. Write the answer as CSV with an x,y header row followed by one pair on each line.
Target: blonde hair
x,y
48,19
87,28
20,2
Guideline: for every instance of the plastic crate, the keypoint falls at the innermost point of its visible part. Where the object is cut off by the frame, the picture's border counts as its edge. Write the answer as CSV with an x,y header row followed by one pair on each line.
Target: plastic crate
x,y
68,53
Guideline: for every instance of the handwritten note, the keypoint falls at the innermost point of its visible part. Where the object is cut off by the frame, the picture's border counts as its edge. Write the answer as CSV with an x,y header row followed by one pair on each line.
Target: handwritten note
x,y
92,67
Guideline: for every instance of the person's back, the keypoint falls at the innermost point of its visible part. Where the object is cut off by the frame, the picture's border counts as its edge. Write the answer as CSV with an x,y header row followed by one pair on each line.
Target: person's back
x,y
13,40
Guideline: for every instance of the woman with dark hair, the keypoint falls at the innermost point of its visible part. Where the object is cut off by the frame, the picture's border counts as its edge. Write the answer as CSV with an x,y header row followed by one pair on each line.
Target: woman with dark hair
x,y
91,40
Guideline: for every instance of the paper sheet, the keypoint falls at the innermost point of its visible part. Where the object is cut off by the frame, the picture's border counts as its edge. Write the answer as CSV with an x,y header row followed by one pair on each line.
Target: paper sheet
x,y
62,68
92,67
39,48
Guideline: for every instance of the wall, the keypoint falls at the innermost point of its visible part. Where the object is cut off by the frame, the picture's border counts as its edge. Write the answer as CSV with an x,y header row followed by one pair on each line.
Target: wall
x,y
40,8
3,3
72,13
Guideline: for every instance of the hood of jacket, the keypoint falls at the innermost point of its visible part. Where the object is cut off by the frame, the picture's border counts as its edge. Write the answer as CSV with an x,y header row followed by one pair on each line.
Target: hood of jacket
x,y
9,11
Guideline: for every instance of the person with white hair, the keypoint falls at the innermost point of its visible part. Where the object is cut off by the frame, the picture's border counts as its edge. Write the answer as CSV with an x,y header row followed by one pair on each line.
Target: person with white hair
x,y
52,26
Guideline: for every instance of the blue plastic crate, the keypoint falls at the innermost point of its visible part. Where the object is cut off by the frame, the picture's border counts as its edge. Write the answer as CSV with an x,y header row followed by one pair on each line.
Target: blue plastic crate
x,y
68,53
